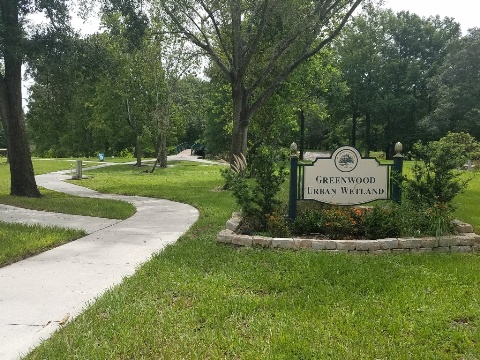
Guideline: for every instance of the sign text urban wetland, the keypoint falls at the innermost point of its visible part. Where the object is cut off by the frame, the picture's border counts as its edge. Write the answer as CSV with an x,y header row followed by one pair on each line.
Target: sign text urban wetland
x,y
346,179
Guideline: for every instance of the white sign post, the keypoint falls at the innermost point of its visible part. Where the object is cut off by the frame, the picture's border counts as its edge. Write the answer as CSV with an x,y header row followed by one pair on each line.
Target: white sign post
x,y
345,179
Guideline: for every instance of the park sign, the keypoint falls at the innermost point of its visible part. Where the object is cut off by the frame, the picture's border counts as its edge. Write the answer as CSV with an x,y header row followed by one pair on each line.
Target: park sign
x,y
345,178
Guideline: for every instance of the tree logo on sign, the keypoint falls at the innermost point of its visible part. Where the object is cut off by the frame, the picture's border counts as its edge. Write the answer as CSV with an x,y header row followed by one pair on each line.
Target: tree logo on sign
x,y
346,160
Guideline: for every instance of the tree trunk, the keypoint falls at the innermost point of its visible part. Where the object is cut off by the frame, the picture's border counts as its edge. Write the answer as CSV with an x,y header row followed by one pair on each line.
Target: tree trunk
x,y
388,131
302,134
21,168
241,120
368,135
353,141
388,152
161,154
239,138
138,151
3,110
162,116
162,151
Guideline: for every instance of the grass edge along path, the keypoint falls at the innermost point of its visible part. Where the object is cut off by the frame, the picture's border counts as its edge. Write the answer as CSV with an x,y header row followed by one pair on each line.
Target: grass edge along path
x,y
33,240
19,241
54,201
202,300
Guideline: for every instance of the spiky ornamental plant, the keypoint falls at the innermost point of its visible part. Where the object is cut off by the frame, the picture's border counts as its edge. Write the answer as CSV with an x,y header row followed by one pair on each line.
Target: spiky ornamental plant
x,y
256,198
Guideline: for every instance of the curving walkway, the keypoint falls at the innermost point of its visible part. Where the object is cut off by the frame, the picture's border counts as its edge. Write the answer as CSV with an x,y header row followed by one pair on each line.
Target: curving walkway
x,y
38,293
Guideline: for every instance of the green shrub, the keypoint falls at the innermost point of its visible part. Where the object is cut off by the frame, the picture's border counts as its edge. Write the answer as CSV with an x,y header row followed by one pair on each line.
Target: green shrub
x,y
308,222
277,224
330,221
127,153
381,221
256,197
376,222
436,180
464,143
427,206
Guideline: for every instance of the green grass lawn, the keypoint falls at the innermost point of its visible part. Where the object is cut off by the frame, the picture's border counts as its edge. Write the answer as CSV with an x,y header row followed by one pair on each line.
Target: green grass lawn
x,y
68,204
467,203
59,202
20,241
203,300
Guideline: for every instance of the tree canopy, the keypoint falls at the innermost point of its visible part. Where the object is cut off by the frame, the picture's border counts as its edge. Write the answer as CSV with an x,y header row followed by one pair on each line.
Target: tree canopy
x,y
369,78
456,90
18,42
387,59
257,45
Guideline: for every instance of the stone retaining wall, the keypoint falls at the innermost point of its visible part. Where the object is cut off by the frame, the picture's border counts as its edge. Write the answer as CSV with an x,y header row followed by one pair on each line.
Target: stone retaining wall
x,y
466,241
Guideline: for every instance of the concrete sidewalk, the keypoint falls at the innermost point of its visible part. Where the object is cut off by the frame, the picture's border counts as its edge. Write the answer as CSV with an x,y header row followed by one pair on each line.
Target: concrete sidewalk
x,y
36,294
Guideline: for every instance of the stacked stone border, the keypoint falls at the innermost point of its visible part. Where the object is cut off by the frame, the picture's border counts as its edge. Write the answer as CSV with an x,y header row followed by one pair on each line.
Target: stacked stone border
x,y
465,241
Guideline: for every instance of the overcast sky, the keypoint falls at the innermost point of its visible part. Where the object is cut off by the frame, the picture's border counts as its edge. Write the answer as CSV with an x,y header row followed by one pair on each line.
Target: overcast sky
x,y
465,12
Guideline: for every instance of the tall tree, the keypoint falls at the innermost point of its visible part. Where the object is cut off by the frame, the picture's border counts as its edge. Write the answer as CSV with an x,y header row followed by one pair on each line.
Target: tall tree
x,y
60,111
387,60
172,62
417,49
360,48
257,44
13,48
322,88
456,90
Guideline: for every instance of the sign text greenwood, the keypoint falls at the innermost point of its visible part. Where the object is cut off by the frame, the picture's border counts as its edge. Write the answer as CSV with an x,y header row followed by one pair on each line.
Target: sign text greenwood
x,y
345,179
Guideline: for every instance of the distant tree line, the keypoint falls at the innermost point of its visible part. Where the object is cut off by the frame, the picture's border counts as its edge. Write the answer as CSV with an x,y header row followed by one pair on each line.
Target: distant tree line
x,y
126,91
310,72
387,77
